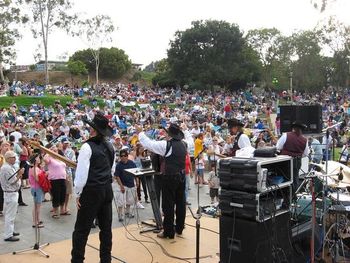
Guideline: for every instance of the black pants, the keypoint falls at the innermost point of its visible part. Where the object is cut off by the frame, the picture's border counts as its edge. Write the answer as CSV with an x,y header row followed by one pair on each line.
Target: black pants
x,y
144,187
158,186
173,195
96,202
58,192
20,199
296,168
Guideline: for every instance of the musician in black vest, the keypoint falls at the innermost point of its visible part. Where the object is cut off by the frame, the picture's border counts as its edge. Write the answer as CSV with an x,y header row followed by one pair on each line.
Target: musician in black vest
x,y
173,183
295,145
93,190
241,140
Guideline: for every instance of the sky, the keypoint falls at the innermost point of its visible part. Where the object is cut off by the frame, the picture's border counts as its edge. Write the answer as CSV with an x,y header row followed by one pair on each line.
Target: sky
x,y
145,28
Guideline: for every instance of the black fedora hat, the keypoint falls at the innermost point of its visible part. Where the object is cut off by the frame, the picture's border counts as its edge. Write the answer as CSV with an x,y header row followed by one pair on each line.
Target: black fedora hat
x,y
299,124
175,132
100,124
234,123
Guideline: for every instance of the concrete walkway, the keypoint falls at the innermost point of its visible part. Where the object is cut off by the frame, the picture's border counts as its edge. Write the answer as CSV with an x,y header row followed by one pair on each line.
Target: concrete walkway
x,y
61,229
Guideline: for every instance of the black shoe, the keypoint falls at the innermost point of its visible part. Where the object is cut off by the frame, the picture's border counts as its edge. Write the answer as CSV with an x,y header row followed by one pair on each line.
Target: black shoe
x,y
12,239
147,201
22,204
15,234
162,235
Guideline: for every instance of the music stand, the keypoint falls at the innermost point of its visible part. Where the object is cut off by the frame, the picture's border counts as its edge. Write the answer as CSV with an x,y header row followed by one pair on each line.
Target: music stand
x,y
149,173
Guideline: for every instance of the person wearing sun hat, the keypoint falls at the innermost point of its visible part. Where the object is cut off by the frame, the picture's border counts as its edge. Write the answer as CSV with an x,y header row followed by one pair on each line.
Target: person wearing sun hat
x,y
173,183
93,189
241,140
295,145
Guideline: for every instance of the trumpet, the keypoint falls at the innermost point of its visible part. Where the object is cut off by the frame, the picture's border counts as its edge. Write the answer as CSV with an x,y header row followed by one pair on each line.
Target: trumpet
x,y
53,154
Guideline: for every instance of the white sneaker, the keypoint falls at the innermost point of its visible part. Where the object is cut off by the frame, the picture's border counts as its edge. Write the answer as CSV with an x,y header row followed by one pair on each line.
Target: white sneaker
x,y
139,205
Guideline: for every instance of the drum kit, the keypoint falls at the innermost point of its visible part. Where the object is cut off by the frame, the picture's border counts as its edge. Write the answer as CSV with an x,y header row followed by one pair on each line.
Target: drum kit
x,y
331,207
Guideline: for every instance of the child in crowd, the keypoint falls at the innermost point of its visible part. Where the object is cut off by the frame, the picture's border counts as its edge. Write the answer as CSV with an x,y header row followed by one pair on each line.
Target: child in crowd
x,y
214,184
200,165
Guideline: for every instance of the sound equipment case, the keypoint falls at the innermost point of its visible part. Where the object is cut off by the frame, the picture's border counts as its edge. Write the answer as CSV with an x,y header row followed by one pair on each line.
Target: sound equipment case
x,y
256,206
255,175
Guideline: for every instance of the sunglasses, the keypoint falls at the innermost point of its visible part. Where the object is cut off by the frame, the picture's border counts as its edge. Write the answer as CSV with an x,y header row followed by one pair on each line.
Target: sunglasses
x,y
123,156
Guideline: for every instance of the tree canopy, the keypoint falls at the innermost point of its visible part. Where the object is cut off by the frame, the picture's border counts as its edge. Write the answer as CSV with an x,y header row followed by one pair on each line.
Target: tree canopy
x,y
114,63
212,53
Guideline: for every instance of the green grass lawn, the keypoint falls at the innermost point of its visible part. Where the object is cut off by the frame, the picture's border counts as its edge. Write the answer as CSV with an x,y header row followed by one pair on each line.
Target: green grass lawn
x,y
47,100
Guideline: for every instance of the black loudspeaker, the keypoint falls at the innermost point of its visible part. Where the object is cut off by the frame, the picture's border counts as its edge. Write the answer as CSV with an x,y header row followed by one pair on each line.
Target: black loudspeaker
x,y
301,237
244,241
309,115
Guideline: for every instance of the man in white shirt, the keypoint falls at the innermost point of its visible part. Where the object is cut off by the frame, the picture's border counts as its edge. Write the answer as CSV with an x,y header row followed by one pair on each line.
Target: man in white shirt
x,y
10,183
93,190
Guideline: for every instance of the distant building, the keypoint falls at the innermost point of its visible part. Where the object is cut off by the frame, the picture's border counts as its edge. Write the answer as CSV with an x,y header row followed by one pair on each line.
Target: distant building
x,y
20,68
40,66
136,66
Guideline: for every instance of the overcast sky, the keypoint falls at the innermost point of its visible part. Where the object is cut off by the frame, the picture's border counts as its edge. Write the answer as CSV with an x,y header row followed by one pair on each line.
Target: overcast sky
x,y
144,28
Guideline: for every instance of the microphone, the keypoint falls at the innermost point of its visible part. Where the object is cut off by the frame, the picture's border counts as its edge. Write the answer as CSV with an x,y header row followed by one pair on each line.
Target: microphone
x,y
50,144
340,175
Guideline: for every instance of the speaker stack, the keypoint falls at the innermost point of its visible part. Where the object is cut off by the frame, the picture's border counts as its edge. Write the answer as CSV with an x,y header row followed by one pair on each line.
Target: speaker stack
x,y
311,115
255,202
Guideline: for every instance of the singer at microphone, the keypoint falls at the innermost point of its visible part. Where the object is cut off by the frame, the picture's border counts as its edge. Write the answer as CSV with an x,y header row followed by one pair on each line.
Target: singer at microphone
x,y
54,140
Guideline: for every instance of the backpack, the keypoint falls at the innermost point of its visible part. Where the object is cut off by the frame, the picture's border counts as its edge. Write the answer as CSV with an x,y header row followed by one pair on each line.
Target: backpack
x,y
44,182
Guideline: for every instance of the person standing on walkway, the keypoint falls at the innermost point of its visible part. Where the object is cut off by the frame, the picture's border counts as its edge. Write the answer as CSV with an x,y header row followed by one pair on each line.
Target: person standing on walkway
x,y
93,190
173,191
10,183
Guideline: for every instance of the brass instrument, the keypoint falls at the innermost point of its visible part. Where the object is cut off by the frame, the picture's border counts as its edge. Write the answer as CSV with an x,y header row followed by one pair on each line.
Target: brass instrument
x,y
55,155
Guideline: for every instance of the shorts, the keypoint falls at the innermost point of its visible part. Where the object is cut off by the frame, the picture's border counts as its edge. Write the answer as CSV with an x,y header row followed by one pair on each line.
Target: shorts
x,y
69,185
38,195
127,198
200,172
213,192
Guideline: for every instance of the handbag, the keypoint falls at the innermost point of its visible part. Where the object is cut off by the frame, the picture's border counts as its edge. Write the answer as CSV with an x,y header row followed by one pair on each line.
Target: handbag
x,y
44,182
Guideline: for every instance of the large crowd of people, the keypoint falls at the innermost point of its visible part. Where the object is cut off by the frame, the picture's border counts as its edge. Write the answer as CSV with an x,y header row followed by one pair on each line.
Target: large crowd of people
x,y
213,124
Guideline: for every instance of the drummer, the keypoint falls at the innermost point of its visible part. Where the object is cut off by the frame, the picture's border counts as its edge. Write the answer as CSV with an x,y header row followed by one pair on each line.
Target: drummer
x,y
295,145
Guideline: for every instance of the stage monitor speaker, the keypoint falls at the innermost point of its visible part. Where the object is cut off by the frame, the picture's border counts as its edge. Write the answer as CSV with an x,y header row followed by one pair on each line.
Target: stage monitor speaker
x,y
248,241
310,115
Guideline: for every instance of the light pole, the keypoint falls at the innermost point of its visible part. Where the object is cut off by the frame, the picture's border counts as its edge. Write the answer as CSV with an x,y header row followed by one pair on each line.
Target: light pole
x,y
291,85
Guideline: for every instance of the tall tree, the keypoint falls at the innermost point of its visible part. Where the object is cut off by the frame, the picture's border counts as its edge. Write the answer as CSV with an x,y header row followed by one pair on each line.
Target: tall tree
x,y
335,37
96,32
113,62
10,17
266,42
210,52
308,71
46,16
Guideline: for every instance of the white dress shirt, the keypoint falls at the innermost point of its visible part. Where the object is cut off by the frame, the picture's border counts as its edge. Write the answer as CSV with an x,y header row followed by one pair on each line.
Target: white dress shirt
x,y
82,171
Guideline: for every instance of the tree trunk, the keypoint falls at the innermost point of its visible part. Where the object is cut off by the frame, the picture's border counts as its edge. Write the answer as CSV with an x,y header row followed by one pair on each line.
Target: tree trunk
x,y
46,68
2,78
97,67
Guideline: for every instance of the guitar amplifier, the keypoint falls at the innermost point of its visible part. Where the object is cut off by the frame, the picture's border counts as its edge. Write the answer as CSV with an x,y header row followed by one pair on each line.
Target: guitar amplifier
x,y
255,175
256,206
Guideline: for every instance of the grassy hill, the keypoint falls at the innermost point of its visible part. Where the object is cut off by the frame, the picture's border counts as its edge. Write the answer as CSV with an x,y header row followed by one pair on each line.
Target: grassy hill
x,y
63,77
48,100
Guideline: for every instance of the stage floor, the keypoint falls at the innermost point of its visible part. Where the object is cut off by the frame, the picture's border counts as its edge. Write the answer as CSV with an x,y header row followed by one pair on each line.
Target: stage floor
x,y
148,248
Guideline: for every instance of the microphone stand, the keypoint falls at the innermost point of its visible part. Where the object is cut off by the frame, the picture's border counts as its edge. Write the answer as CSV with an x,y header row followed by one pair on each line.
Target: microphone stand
x,y
37,246
198,215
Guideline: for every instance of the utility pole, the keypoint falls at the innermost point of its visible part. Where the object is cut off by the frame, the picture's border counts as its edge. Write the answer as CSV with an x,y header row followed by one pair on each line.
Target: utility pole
x,y
291,85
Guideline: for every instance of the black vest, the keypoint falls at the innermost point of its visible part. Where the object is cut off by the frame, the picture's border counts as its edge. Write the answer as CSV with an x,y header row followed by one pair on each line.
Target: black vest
x,y
235,146
101,162
175,163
